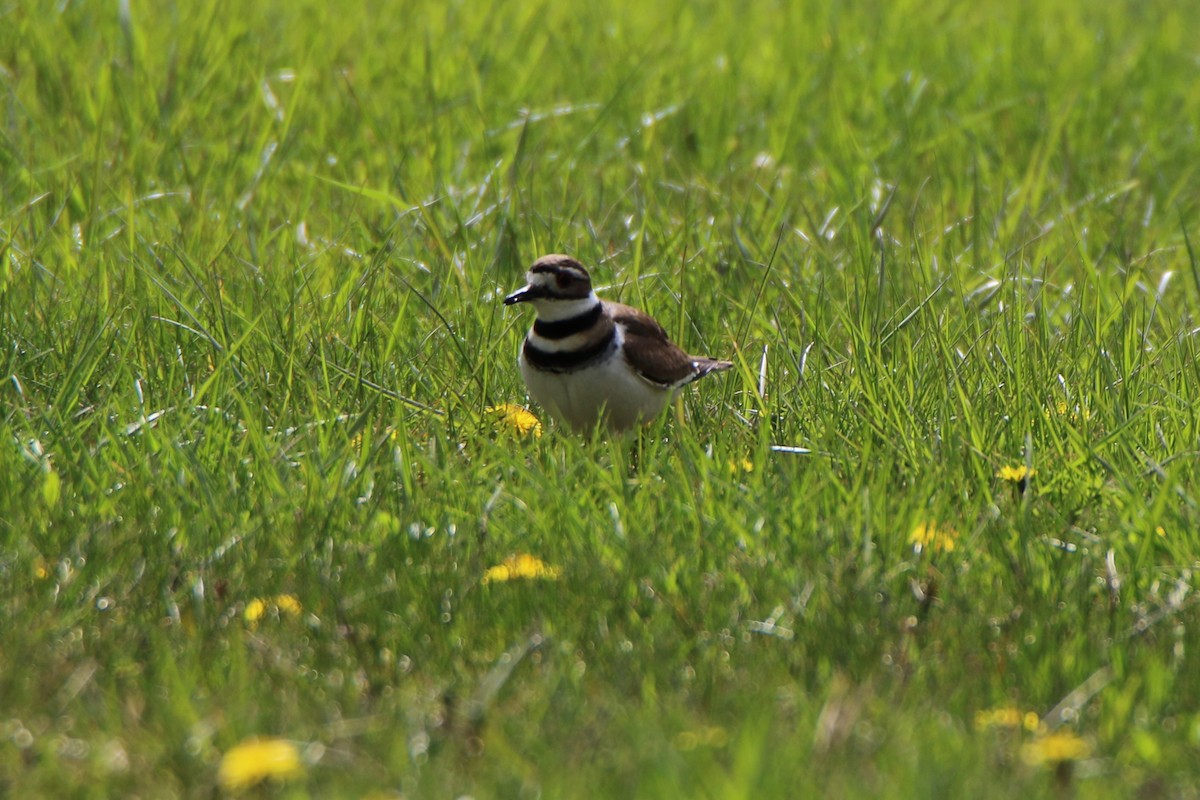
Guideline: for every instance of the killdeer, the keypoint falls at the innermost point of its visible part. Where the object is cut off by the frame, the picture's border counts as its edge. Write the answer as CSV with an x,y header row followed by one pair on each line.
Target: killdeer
x,y
588,360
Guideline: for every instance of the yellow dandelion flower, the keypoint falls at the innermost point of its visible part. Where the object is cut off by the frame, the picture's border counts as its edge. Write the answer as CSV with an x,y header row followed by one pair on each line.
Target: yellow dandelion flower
x,y
256,760
1018,474
737,465
255,610
1055,748
521,566
41,570
1008,717
933,537
288,604
516,419
280,605
1075,413
1005,717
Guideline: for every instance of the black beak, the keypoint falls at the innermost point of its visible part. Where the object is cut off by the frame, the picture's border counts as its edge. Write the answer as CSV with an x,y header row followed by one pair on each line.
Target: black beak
x,y
521,295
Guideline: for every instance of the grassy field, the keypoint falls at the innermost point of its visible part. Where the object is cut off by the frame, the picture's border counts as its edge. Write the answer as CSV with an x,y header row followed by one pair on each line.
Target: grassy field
x,y
936,535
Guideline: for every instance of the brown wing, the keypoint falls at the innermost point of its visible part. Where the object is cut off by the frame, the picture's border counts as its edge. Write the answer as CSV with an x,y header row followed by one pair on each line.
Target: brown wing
x,y
650,351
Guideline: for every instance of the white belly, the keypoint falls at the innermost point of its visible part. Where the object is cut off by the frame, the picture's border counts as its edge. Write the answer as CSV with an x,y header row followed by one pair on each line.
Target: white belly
x,y
608,390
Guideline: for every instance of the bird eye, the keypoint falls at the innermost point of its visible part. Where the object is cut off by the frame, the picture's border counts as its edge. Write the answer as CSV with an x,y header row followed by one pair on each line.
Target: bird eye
x,y
563,279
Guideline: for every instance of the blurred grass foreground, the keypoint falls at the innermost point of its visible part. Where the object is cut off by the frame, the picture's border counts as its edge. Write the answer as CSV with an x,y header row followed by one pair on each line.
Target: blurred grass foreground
x,y
276,518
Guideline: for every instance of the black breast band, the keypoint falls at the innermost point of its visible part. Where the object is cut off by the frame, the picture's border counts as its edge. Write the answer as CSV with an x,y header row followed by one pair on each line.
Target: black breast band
x,y
568,360
561,329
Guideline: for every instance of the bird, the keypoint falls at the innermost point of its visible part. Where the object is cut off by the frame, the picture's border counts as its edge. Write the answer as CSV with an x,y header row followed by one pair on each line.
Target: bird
x,y
593,363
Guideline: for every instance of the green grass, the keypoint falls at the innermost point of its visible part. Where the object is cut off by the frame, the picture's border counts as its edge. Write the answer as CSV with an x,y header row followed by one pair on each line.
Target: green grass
x,y
251,259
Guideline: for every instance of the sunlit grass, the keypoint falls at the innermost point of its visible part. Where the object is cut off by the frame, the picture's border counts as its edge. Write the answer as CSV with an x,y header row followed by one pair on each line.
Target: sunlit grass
x,y
270,475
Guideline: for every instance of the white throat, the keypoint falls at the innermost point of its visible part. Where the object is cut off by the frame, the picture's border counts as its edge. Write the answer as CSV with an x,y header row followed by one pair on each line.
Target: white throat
x,y
549,310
